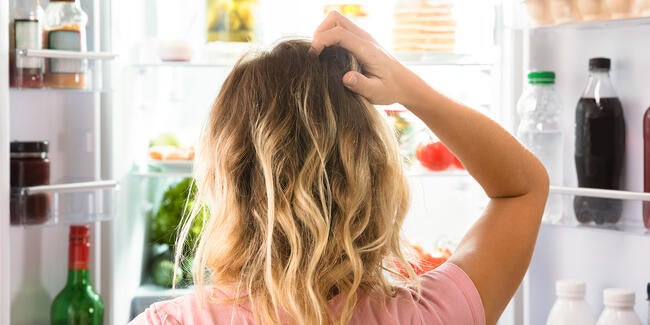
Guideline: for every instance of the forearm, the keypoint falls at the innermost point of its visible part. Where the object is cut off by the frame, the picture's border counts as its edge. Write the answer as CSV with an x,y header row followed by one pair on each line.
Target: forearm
x,y
490,154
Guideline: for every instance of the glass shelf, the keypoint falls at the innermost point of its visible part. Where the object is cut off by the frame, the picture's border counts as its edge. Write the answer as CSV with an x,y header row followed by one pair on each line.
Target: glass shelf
x,y
443,59
626,207
163,169
181,65
63,204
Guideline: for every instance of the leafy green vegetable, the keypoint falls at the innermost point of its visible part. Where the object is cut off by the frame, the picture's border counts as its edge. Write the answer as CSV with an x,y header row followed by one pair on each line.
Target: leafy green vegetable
x,y
167,220
162,271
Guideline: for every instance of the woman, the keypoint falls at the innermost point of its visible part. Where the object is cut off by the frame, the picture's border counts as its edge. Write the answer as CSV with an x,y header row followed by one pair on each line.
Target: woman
x,y
306,196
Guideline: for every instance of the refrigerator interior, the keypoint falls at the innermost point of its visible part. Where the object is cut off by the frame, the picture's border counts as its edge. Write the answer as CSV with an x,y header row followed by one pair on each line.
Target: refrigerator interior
x,y
601,257
156,97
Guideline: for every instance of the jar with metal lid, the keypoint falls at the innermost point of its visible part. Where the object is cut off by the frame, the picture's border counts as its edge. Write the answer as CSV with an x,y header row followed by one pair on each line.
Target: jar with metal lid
x,y
30,166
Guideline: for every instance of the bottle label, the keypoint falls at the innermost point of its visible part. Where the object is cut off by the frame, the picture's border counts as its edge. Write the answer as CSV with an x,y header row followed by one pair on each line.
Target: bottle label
x,y
79,254
66,40
28,36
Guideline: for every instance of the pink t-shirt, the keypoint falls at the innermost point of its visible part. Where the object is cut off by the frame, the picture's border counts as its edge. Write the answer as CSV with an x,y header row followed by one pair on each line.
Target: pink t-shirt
x,y
448,297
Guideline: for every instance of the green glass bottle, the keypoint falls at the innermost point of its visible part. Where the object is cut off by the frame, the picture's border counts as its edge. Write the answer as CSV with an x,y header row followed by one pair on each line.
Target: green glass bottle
x,y
78,303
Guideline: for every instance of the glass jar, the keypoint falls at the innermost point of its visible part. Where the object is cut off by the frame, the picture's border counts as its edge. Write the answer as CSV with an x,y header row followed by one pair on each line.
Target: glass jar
x,y
29,167
26,32
231,20
65,29
404,124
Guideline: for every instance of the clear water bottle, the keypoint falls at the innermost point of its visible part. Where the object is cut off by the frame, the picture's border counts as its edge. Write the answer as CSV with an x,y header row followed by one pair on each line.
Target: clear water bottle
x,y
619,308
570,308
540,131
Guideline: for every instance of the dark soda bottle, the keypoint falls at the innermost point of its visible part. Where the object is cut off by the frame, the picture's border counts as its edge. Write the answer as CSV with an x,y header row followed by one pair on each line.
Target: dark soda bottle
x,y
599,145
646,166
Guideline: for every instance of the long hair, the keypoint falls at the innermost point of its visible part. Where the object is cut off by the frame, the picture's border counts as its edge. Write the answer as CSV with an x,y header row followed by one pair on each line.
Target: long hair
x,y
303,186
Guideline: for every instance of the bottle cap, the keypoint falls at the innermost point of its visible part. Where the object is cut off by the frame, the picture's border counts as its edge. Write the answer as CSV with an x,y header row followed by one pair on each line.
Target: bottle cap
x,y
29,146
570,289
79,232
617,297
541,77
600,64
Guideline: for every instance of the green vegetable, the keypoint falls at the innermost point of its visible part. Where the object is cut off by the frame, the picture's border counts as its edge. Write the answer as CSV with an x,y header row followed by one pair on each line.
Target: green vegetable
x,y
165,139
162,271
167,220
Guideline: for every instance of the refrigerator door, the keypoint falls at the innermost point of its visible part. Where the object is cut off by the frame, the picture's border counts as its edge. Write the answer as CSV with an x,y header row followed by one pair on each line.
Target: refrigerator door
x,y
601,257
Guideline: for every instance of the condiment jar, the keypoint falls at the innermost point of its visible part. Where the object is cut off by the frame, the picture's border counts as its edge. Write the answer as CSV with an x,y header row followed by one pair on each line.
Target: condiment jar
x,y
65,29
29,167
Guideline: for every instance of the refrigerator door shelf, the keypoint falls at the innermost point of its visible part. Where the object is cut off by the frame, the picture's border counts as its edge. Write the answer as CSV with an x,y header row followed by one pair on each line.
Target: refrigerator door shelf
x,y
625,209
63,204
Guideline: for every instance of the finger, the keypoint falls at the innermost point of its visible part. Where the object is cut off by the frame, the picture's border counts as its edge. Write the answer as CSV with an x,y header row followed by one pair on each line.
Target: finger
x,y
361,84
343,38
335,18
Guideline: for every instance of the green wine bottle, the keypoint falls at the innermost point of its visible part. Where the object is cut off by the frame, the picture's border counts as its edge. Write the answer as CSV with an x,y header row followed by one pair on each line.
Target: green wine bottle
x,y
78,303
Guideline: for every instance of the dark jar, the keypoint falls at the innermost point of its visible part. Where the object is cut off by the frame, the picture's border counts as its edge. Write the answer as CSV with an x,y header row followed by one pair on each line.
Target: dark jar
x,y
29,167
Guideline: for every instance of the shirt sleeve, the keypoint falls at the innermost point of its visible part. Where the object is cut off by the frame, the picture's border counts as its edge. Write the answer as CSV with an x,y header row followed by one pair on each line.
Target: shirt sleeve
x,y
154,316
449,295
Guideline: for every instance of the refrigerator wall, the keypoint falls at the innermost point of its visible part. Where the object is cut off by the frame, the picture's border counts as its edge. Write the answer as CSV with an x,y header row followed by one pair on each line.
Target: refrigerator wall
x,y
601,257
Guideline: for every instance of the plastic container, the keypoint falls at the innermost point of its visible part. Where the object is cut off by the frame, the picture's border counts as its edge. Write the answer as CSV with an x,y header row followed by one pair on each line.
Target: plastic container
x,y
619,308
599,145
26,32
404,124
540,131
570,307
29,167
65,29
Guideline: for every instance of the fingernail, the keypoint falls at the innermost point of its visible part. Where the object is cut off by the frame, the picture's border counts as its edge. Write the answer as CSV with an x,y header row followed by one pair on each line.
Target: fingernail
x,y
350,81
312,50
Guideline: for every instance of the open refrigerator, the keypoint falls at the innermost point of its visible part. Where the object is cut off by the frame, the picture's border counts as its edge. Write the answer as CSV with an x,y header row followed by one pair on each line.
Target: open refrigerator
x,y
100,135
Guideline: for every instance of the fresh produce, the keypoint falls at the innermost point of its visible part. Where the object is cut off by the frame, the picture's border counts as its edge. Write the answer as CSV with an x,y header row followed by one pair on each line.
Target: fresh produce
x,y
436,157
231,20
177,200
162,271
424,261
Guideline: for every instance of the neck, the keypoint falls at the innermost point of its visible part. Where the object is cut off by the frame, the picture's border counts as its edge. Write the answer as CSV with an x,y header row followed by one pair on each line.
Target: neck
x,y
78,277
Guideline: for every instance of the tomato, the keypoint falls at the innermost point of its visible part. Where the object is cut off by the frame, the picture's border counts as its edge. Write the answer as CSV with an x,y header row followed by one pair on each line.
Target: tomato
x,y
434,156
456,163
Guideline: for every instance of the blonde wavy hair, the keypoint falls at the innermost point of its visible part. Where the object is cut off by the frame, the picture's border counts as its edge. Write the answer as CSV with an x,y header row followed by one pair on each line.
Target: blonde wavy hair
x,y
304,190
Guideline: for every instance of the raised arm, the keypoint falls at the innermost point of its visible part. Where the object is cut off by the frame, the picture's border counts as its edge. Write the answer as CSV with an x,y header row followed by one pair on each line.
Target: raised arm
x,y
496,251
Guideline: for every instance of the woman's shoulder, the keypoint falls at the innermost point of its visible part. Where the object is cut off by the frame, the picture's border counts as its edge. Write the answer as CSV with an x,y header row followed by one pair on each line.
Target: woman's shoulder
x,y
191,309
447,296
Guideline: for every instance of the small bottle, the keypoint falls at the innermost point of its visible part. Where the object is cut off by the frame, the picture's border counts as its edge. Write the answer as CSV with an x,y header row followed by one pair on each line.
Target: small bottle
x,y
570,306
646,166
26,32
78,303
619,308
65,29
541,132
29,166
599,145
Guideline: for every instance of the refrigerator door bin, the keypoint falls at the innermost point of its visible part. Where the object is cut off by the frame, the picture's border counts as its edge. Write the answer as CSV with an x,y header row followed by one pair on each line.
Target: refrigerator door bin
x,y
63,204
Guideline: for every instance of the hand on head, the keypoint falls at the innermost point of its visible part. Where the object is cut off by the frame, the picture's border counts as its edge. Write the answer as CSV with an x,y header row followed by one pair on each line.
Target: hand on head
x,y
381,82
